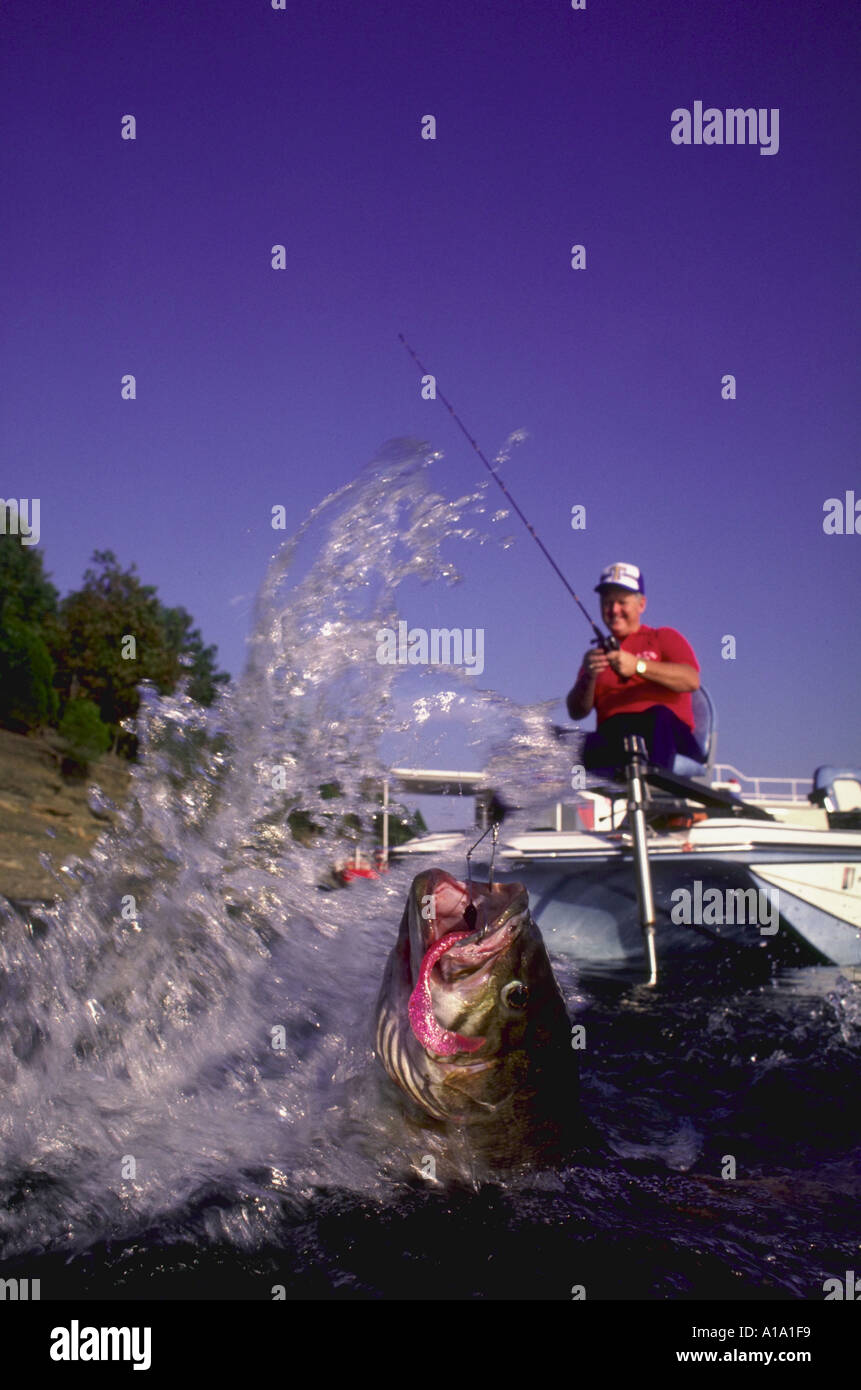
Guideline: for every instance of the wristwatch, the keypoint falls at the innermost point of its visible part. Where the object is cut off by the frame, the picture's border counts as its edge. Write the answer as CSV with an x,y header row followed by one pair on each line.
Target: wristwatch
x,y
640,667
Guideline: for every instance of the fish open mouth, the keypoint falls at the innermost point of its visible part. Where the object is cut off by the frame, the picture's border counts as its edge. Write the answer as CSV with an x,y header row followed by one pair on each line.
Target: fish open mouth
x,y
477,909
463,929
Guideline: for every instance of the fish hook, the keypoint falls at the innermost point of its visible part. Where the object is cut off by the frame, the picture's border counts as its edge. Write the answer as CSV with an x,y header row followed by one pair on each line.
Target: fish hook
x,y
470,916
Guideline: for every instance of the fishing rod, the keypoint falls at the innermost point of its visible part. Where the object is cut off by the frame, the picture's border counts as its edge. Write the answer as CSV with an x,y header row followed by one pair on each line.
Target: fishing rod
x,y
606,641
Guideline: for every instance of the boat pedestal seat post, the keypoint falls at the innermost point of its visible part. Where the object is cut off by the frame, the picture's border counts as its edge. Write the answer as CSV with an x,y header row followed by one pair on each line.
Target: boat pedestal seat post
x,y
635,750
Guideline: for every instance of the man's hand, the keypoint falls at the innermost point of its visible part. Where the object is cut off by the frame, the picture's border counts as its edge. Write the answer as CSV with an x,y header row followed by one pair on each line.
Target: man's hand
x,y
595,661
623,663
581,697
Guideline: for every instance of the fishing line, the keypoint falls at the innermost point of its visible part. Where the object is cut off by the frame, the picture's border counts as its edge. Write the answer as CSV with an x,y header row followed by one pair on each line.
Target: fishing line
x,y
606,640
471,915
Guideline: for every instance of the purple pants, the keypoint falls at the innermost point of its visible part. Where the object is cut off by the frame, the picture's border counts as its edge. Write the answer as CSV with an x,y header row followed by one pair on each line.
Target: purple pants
x,y
664,734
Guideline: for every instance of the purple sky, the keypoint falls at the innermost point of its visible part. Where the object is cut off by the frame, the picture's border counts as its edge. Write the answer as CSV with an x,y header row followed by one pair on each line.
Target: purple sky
x,y
257,387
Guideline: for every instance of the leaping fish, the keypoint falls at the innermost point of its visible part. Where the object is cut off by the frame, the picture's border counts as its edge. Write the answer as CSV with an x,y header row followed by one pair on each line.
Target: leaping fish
x,y
470,1022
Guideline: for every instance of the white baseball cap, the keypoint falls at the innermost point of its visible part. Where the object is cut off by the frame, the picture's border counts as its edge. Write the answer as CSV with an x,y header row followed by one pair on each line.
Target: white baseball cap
x,y
626,576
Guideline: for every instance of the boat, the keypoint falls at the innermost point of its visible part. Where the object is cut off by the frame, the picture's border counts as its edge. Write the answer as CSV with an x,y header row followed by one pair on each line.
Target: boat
x,y
358,865
740,864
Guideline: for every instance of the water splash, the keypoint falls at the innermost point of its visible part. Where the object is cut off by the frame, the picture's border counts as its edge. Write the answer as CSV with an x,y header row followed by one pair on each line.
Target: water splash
x,y
200,1009
185,1045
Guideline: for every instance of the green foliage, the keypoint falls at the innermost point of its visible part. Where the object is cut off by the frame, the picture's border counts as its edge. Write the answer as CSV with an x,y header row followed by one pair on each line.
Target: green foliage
x,y
85,734
400,830
76,647
26,593
197,661
112,605
94,622
302,827
27,695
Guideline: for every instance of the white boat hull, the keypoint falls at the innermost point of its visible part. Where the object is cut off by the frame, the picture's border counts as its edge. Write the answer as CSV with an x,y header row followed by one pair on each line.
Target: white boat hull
x,y
582,889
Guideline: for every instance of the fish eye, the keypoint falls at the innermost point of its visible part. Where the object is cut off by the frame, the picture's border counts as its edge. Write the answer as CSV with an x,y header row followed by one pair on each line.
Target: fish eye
x,y
515,994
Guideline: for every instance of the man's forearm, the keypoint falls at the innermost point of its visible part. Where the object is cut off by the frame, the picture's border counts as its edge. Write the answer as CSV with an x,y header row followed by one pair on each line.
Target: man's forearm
x,y
581,696
675,675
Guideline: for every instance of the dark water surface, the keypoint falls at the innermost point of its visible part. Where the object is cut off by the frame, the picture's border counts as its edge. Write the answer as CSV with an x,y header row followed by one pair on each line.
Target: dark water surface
x,y
675,1081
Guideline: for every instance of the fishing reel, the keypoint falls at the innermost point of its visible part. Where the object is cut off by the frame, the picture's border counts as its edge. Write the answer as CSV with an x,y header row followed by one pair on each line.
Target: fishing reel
x,y
608,643
605,640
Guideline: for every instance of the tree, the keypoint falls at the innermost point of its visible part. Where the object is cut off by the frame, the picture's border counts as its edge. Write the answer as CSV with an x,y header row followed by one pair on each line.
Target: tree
x,y
198,662
87,738
28,603
27,694
26,592
400,830
95,658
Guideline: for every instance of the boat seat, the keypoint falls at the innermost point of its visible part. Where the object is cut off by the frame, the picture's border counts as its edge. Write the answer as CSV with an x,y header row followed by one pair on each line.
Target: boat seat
x,y
705,733
836,788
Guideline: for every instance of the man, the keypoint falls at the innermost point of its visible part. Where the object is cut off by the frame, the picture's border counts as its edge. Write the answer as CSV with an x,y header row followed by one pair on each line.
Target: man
x,y
643,688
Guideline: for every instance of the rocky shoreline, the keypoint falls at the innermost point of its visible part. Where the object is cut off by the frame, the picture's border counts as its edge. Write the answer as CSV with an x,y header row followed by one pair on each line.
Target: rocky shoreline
x,y
43,812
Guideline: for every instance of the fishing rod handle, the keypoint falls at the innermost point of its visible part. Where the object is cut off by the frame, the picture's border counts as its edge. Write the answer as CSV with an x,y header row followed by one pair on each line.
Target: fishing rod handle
x,y
608,643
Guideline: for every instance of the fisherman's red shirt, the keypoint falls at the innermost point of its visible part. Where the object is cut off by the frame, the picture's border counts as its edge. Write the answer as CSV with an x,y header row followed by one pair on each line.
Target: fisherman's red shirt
x,y
615,696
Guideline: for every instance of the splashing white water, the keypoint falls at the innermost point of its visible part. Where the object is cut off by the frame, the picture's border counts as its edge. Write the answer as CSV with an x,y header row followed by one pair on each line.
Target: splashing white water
x,y
198,1015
